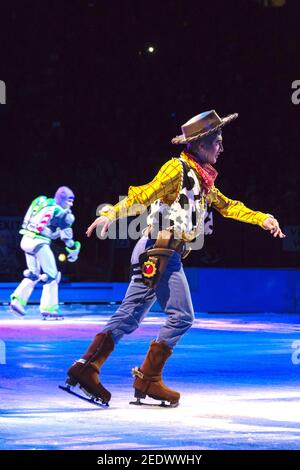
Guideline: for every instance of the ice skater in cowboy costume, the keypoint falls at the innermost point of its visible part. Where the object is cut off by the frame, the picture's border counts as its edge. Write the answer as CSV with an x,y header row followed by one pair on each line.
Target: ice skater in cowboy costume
x,y
182,189
46,219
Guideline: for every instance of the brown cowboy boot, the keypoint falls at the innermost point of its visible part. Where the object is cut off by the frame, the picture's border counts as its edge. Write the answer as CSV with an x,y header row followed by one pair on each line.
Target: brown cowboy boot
x,y
148,379
86,370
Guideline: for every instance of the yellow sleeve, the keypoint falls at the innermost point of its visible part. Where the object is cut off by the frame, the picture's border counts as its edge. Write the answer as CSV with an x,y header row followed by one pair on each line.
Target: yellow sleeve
x,y
165,185
234,209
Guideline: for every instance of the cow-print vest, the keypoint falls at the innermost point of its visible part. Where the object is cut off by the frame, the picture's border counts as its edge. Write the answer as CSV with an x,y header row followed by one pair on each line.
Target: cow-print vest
x,y
187,215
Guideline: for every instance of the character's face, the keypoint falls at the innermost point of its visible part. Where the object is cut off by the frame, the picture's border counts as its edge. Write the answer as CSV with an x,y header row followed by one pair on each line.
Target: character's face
x,y
64,197
209,152
69,203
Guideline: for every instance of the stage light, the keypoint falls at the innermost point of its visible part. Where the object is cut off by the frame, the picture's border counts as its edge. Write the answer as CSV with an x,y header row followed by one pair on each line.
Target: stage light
x,y
151,49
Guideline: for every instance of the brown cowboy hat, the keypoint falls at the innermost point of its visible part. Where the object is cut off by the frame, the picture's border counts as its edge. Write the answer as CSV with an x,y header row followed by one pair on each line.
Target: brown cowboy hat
x,y
202,125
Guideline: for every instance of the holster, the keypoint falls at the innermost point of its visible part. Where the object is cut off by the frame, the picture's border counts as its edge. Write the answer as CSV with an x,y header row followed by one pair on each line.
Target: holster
x,y
154,261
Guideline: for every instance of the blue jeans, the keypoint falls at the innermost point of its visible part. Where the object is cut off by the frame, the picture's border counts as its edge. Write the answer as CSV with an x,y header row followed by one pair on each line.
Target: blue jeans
x,y
172,293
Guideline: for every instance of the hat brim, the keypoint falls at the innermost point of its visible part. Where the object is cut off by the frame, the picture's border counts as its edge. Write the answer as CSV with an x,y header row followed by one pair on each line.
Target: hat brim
x,y
181,139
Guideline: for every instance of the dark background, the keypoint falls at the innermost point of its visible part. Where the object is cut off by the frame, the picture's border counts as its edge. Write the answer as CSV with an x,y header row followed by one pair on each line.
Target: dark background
x,y
89,107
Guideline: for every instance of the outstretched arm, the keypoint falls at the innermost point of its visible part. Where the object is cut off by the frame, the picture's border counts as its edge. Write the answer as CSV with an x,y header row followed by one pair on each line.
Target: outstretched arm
x,y
238,211
165,183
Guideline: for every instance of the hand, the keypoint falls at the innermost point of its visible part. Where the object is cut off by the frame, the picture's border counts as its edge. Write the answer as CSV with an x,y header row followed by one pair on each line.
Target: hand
x,y
272,225
73,252
72,257
102,220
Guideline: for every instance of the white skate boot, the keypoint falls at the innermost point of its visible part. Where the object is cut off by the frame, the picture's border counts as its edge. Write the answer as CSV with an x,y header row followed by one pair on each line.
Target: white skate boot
x,y
17,307
49,307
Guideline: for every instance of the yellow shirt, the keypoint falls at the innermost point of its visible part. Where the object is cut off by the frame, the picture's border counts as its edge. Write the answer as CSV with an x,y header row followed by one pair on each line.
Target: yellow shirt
x,y
166,185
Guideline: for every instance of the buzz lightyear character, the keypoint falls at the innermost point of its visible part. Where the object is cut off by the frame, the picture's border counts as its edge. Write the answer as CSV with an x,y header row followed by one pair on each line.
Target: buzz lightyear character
x,y
47,219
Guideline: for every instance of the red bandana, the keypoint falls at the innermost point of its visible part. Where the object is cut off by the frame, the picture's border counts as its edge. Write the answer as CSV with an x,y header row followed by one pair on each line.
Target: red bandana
x,y
207,172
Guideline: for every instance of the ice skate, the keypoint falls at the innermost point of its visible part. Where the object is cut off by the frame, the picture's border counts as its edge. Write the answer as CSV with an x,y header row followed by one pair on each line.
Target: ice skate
x,y
85,371
54,315
49,307
148,378
93,400
16,307
164,403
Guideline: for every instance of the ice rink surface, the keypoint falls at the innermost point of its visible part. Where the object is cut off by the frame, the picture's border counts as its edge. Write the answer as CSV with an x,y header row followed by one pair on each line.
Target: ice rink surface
x,y
238,376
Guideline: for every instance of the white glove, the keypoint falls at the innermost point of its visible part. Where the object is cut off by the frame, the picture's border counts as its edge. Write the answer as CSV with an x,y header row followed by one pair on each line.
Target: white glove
x,y
73,252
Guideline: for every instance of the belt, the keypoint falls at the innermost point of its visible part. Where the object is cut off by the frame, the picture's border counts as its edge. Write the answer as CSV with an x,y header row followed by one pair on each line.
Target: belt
x,y
170,241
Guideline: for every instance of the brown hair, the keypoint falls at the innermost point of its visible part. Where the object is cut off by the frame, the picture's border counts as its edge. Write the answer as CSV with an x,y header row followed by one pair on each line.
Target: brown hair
x,y
207,141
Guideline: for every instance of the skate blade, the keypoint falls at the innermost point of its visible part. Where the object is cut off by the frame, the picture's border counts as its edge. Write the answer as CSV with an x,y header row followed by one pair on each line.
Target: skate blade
x,y
163,404
51,316
16,312
91,400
